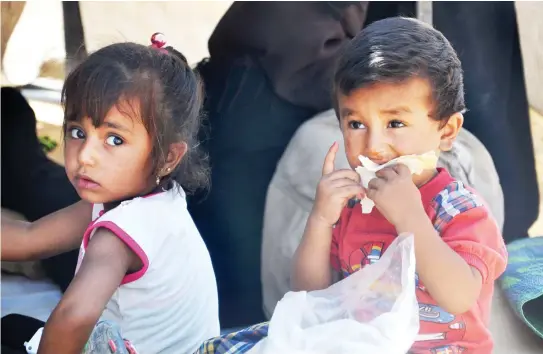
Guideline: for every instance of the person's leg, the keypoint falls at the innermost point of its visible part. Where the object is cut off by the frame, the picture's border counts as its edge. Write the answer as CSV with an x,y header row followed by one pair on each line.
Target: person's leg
x,y
250,128
33,185
486,38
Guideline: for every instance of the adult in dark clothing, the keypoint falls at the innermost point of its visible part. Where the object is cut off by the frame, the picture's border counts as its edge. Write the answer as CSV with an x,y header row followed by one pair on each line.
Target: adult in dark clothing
x,y
485,35
32,184
269,70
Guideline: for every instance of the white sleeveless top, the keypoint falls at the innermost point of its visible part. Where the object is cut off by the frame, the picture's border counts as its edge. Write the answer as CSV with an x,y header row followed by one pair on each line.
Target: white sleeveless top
x,y
171,304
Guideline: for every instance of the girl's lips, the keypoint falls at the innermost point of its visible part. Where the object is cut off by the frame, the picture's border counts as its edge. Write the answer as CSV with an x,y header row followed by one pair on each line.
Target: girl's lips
x,y
86,183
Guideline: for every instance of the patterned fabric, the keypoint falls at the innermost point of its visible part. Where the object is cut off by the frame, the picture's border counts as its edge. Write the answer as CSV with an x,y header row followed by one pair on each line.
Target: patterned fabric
x,y
522,282
236,342
106,337
452,201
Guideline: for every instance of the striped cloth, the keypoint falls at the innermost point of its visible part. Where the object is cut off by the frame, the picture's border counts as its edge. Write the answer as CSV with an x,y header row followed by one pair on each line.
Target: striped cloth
x,y
236,342
455,199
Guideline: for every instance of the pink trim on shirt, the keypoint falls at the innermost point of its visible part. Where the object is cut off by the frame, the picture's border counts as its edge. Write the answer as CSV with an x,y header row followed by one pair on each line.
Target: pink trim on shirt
x,y
129,241
152,194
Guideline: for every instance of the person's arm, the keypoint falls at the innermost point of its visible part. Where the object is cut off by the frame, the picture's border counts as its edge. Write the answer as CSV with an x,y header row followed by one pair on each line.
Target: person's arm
x,y
448,278
454,265
107,260
311,263
468,253
53,234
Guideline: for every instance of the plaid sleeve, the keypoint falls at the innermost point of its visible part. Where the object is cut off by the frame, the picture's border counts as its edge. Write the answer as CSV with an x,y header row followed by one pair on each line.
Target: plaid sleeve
x,y
237,342
466,225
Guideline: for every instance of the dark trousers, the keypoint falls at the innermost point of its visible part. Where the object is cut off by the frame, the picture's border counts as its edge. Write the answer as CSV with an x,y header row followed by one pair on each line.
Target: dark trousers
x,y
249,128
33,185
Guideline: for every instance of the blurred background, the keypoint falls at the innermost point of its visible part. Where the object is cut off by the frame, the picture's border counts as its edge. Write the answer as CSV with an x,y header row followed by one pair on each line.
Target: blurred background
x,y
34,53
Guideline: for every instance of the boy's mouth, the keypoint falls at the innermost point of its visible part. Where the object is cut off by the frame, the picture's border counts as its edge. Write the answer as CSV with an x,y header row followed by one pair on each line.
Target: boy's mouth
x,y
379,161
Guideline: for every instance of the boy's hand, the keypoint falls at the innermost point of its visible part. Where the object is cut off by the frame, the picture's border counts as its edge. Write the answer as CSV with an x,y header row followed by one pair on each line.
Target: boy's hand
x,y
395,194
335,189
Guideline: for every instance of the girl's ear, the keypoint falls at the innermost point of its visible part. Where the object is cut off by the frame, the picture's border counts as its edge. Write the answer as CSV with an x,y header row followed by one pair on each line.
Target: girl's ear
x,y
450,130
176,151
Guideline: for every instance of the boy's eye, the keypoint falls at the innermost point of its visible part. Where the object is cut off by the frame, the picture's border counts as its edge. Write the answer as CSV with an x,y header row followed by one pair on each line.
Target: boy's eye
x,y
76,133
356,125
396,124
114,140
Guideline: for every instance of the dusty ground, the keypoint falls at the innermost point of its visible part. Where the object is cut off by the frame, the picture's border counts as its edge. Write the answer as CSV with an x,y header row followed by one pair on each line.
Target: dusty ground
x,y
50,118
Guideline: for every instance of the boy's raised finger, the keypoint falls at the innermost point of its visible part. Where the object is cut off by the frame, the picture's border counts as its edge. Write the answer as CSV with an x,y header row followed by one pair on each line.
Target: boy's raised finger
x,y
330,159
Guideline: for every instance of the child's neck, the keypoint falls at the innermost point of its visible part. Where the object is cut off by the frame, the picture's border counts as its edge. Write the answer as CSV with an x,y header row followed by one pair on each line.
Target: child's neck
x,y
425,177
112,205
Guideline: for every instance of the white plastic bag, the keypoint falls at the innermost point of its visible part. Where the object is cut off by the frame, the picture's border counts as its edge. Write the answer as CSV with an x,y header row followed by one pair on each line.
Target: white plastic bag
x,y
374,310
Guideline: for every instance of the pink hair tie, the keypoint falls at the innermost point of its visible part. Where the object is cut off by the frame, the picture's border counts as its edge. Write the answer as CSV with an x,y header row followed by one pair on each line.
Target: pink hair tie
x,y
158,41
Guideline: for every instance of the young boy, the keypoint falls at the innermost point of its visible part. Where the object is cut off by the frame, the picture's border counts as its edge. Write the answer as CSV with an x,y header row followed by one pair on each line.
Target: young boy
x,y
399,91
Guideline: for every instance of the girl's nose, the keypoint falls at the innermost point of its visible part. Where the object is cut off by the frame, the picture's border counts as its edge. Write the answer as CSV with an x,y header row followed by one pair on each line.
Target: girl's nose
x,y
88,153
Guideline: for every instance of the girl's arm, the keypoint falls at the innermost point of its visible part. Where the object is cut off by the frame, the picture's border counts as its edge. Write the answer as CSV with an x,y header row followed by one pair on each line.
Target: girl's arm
x,y
53,234
107,260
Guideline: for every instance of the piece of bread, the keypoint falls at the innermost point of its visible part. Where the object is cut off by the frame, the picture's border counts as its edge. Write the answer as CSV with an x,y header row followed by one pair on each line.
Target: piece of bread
x,y
415,163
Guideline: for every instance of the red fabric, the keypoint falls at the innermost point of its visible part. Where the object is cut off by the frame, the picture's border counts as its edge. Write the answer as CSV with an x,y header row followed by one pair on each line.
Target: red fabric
x,y
360,239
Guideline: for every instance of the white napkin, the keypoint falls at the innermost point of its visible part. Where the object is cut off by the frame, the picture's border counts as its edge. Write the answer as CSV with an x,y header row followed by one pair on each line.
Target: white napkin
x,y
415,163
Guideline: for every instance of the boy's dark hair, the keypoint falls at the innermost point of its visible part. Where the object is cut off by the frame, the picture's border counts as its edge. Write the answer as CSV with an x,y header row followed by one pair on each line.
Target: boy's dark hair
x,y
169,93
396,49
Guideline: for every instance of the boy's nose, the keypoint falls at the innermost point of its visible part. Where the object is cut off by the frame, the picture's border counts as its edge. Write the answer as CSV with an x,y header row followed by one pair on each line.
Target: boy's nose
x,y
376,146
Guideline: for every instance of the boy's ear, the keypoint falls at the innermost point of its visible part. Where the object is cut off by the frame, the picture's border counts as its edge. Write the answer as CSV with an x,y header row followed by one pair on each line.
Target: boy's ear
x,y
176,152
450,130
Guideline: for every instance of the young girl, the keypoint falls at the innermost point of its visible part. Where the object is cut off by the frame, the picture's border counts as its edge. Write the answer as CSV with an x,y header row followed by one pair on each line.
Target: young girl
x,y
132,114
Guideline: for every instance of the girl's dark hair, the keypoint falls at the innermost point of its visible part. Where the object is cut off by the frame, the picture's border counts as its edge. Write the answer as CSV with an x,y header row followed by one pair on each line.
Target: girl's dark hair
x,y
169,96
396,49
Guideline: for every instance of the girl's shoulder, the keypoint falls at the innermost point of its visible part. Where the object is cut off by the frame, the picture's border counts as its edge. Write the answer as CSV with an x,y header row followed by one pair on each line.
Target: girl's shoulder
x,y
155,205
148,221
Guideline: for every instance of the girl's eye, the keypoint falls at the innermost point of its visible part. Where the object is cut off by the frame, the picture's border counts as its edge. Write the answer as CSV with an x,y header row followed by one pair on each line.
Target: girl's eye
x,y
356,125
114,140
77,133
396,124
